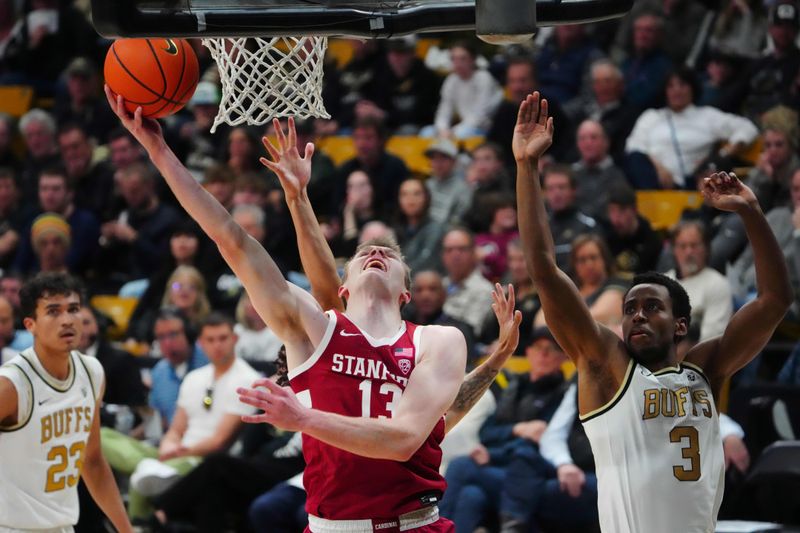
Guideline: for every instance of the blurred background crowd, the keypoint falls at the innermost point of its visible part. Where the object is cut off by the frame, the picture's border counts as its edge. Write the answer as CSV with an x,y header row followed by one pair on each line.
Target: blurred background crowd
x,y
418,147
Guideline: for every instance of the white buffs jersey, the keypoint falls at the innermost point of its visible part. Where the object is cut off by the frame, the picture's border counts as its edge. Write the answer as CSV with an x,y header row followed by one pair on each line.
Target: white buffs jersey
x,y
658,453
42,454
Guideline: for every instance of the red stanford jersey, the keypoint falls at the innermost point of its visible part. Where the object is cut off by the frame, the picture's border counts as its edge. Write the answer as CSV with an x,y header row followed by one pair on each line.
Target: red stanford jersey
x,y
353,374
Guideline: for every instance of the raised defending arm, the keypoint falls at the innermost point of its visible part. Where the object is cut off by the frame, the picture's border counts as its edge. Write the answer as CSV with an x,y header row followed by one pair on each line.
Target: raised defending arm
x,y
568,316
477,381
751,326
294,173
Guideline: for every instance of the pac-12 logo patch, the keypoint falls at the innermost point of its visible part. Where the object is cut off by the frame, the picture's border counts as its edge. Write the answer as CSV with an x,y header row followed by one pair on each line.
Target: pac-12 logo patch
x,y
405,365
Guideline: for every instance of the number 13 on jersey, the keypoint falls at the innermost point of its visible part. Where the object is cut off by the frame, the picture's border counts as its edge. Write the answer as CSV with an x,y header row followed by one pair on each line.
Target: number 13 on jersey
x,y
386,397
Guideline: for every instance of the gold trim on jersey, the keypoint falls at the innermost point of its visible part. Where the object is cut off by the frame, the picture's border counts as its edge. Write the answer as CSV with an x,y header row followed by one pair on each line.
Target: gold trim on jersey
x,y
49,380
18,425
697,369
616,398
95,392
668,370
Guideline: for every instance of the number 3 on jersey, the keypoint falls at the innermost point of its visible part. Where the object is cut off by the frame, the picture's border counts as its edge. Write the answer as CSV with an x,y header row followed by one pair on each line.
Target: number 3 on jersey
x,y
388,391
691,451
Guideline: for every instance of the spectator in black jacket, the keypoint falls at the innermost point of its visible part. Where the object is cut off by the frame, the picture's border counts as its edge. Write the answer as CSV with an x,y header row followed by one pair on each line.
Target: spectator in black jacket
x,y
385,171
634,244
520,82
404,91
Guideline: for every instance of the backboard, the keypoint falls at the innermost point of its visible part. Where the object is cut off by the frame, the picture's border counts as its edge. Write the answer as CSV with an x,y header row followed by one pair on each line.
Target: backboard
x,y
356,18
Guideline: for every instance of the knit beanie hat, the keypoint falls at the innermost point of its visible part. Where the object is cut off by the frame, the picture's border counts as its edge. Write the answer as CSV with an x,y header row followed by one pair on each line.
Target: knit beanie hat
x,y
47,223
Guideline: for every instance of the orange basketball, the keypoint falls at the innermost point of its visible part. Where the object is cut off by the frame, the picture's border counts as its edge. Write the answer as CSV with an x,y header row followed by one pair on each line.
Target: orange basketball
x,y
160,75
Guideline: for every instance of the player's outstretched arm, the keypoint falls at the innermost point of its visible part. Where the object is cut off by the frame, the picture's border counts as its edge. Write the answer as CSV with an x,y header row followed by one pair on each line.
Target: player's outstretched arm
x,y
279,303
100,480
751,326
476,382
431,389
294,173
568,317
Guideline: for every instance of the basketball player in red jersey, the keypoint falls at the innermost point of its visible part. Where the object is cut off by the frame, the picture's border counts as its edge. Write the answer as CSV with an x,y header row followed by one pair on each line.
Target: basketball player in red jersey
x,y
373,387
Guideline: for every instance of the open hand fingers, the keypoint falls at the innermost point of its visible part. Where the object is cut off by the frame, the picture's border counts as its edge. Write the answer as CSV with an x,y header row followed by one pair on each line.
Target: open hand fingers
x,y
309,151
276,125
543,110
274,167
273,152
292,133
517,318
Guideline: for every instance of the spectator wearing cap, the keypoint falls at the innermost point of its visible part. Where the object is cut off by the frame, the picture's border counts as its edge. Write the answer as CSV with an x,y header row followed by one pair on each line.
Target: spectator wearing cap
x,y
633,243
93,180
404,91
770,180
50,238
595,172
773,79
469,94
524,408
83,102
450,194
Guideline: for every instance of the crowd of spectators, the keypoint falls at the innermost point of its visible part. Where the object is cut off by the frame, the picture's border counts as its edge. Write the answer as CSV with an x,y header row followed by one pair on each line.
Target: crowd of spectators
x,y
656,100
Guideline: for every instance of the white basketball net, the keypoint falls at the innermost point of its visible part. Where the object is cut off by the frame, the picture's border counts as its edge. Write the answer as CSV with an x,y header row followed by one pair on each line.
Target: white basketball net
x,y
263,78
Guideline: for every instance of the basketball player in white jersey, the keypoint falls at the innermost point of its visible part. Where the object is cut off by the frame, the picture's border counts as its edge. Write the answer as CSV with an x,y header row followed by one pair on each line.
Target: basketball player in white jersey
x,y
651,418
49,423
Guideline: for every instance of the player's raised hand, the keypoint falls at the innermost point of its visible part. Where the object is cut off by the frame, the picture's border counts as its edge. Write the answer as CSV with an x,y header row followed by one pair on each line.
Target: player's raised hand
x,y
292,170
508,319
146,130
533,133
280,406
725,192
